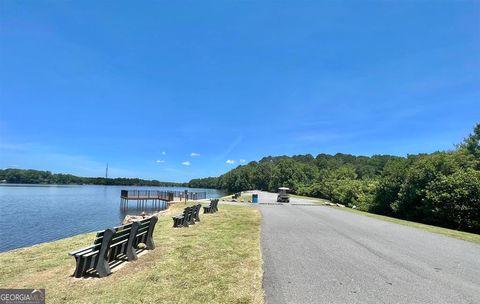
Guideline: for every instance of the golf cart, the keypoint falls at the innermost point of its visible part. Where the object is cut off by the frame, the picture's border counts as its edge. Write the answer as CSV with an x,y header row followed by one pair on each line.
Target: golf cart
x,y
283,195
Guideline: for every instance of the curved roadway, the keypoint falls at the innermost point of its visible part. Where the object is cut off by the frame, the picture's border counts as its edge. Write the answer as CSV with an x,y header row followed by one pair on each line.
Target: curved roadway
x,y
317,254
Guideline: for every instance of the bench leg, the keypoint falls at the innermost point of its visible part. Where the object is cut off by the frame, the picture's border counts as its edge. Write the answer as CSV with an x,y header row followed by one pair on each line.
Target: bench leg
x,y
102,267
150,243
131,253
80,267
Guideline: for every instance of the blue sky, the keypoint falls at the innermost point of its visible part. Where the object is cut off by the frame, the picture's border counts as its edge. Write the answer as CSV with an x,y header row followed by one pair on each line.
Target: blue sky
x,y
143,86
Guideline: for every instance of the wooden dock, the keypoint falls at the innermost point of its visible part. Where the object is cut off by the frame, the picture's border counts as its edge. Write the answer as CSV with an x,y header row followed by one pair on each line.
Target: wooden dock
x,y
156,199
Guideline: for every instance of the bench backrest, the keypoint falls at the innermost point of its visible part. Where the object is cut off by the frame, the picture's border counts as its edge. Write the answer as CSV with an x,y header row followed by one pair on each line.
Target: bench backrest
x,y
145,231
119,243
197,210
99,237
213,204
128,237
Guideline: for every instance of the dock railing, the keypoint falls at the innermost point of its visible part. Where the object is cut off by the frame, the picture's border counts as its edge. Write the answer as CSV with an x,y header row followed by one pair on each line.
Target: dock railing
x,y
162,195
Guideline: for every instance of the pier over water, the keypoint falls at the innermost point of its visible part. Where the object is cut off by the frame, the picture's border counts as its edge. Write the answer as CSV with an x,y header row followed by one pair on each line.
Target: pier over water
x,y
156,199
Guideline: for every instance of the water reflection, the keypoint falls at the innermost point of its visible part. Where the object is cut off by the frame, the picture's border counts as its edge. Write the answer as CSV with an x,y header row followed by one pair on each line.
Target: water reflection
x,y
42,213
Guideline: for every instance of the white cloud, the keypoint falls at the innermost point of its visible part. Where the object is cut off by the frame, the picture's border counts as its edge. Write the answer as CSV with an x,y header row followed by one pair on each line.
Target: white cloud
x,y
230,161
164,153
193,154
186,163
159,161
242,160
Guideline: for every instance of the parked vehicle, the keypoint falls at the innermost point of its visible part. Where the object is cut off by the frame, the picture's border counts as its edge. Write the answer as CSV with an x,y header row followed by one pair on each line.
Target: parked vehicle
x,y
283,196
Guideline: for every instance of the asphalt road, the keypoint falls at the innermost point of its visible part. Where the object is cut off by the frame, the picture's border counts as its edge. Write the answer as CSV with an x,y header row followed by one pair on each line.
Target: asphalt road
x,y
318,254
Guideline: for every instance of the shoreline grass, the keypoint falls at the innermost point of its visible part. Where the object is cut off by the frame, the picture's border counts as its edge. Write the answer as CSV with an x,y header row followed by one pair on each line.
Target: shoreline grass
x,y
461,235
465,236
218,260
316,200
245,198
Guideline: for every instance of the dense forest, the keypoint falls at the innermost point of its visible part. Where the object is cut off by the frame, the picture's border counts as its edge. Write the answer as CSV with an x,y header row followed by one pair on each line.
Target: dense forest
x,y
442,188
20,176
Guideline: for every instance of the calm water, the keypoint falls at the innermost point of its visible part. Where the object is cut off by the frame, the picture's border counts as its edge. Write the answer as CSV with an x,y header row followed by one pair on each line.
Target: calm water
x,y
33,214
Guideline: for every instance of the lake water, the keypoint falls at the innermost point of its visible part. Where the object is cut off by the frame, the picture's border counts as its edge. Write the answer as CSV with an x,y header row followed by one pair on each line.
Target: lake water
x,y
33,214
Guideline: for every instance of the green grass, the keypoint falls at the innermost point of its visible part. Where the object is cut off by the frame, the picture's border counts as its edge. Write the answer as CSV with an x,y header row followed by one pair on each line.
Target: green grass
x,y
470,237
316,200
215,261
245,197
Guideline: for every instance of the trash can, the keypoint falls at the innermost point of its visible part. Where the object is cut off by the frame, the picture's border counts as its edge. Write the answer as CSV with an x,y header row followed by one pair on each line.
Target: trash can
x,y
255,198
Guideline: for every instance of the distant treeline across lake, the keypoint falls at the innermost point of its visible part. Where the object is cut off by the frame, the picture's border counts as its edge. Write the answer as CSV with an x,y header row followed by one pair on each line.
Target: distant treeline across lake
x,y
22,176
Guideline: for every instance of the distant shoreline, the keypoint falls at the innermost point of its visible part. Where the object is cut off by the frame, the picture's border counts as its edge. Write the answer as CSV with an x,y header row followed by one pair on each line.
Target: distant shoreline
x,y
30,176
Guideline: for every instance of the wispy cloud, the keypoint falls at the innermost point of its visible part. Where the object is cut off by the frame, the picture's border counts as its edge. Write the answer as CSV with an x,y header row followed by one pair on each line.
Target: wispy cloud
x,y
232,146
15,146
230,161
186,163
242,160
164,153
159,161
193,154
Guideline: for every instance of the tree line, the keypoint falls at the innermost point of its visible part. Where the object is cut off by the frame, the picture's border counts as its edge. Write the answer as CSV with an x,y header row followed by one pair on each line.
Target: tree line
x,y
22,176
441,188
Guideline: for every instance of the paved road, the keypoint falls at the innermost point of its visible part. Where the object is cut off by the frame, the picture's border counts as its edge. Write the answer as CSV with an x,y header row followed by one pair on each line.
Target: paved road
x,y
317,254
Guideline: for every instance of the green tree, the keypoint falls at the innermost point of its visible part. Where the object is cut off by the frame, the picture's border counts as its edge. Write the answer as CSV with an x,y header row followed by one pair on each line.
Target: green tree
x,y
471,144
455,200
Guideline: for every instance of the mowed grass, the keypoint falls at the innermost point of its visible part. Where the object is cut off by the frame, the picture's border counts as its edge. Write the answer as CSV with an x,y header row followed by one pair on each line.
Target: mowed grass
x,y
244,198
215,261
316,200
469,237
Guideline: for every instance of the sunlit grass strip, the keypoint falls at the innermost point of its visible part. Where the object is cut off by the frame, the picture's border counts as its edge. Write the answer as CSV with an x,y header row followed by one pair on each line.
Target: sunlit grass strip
x,y
316,200
215,261
245,198
470,237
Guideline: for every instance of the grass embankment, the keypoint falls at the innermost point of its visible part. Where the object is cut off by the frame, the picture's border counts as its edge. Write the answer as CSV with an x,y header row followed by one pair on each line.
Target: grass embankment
x,y
215,261
470,237
316,200
244,198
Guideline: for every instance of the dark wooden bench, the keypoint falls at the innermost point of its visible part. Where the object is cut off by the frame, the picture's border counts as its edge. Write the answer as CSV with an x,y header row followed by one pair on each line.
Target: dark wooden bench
x,y
182,220
212,208
118,243
189,216
196,213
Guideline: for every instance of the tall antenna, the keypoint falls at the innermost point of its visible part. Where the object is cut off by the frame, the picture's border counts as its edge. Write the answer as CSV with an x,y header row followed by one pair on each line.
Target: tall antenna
x,y
106,172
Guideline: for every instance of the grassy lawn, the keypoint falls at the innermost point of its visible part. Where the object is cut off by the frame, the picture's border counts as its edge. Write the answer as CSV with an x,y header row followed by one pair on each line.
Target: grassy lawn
x,y
316,200
245,197
470,237
215,261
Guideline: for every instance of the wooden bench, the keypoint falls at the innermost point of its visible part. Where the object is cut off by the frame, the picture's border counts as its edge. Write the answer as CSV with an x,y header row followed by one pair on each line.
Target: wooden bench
x,y
196,213
189,216
212,208
118,243
182,220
